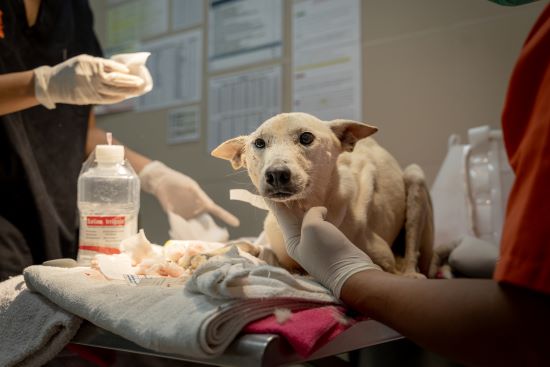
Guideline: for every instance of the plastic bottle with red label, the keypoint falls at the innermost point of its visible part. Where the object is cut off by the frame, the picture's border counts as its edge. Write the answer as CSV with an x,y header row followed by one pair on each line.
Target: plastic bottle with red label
x,y
108,202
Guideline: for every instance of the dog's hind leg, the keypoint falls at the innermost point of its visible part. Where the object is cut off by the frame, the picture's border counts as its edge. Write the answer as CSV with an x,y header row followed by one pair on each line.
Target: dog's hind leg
x,y
418,224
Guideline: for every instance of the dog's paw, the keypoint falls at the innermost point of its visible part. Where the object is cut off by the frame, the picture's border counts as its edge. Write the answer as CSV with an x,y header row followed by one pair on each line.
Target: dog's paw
x,y
414,275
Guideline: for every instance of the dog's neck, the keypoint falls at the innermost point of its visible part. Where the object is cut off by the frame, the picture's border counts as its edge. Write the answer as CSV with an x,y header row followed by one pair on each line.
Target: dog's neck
x,y
336,198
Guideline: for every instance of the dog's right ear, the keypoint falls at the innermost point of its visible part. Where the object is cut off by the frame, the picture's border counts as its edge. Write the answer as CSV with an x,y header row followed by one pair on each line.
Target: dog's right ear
x,y
349,132
232,150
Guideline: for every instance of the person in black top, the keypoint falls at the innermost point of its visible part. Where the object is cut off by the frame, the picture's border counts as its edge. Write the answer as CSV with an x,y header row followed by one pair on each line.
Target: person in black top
x,y
51,72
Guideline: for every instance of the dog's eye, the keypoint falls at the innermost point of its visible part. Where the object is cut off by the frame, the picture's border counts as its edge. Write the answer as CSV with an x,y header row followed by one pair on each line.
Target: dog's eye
x,y
259,143
306,138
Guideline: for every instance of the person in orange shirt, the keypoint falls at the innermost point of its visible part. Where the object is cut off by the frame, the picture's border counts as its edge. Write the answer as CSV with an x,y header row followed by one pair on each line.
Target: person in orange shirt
x,y
501,321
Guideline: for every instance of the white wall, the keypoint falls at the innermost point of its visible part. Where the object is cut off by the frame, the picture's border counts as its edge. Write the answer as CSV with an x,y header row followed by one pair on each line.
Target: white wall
x,y
431,68
436,67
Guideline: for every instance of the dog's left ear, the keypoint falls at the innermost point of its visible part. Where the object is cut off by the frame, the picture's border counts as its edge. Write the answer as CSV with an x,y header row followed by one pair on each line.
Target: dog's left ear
x,y
232,150
349,132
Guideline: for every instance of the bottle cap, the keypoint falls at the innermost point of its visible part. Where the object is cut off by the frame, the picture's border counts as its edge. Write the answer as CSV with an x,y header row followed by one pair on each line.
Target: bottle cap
x,y
109,153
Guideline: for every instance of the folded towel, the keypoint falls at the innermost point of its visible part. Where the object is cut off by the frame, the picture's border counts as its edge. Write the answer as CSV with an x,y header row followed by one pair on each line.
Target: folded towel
x,y
237,275
306,330
174,319
33,330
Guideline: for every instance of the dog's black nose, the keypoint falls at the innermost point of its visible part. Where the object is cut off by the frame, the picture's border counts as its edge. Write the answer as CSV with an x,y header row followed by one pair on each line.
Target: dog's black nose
x,y
278,176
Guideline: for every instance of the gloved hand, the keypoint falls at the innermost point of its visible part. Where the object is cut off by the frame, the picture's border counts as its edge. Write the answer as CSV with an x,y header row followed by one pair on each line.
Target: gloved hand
x,y
180,194
85,79
318,246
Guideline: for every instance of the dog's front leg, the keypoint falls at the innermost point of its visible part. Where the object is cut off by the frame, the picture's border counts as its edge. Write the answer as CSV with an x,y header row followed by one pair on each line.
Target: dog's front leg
x,y
380,252
277,243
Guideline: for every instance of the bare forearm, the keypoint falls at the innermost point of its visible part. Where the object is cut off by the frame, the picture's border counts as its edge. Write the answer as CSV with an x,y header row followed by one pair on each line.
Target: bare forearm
x,y
474,321
98,136
16,92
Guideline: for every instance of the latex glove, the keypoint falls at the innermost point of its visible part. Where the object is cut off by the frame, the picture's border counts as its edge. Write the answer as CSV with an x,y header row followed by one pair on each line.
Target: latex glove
x,y
319,247
83,80
180,194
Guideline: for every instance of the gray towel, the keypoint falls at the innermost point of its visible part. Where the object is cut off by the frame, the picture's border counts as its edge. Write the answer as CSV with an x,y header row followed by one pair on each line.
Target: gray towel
x,y
177,320
32,329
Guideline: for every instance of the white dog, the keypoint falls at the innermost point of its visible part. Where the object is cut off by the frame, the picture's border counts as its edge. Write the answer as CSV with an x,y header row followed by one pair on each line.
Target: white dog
x,y
298,159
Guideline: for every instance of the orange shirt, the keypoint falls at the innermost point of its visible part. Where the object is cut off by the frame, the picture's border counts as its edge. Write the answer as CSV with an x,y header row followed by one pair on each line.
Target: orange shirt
x,y
525,245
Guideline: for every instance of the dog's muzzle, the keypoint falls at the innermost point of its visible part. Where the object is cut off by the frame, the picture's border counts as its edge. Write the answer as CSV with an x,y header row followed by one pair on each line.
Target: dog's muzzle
x,y
278,181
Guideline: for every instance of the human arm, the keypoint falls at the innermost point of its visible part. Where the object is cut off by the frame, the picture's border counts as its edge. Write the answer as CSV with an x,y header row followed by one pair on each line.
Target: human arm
x,y
16,92
175,191
80,80
473,321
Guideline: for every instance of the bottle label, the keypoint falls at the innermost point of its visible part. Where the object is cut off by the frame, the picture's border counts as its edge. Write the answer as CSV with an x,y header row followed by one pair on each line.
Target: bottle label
x,y
102,234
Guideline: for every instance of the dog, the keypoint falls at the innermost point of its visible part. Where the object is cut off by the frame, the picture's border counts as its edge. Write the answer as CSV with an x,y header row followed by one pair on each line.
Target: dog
x,y
297,159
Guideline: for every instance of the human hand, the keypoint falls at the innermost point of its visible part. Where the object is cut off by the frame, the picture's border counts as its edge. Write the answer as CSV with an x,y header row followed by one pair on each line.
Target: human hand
x,y
85,79
318,246
180,194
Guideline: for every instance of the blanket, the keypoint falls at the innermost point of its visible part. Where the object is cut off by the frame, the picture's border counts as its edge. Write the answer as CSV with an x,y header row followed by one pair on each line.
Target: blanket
x,y
198,320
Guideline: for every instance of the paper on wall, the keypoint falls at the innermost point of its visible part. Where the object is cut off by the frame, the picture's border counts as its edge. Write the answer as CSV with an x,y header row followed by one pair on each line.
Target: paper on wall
x,y
243,32
186,13
326,58
130,21
176,67
183,125
239,103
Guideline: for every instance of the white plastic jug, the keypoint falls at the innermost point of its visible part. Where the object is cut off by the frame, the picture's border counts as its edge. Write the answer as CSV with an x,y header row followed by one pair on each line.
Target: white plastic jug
x,y
471,189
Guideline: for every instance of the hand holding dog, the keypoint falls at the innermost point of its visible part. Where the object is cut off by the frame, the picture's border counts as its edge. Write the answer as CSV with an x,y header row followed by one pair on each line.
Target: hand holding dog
x,y
180,194
318,246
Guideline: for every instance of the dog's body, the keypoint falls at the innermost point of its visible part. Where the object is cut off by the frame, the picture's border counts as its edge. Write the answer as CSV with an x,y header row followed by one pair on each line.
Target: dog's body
x,y
300,160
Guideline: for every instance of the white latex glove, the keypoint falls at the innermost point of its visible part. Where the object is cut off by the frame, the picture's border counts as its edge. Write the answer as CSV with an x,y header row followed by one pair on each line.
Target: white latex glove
x,y
319,247
180,194
83,80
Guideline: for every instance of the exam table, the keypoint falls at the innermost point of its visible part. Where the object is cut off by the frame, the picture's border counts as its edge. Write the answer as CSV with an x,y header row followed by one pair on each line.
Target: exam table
x,y
252,350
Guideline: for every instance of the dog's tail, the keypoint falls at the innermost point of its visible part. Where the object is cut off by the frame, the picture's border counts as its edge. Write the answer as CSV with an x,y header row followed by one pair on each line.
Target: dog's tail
x,y
419,227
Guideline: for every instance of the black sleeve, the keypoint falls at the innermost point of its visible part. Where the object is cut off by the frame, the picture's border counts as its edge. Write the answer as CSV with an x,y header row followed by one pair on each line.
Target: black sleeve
x,y
86,39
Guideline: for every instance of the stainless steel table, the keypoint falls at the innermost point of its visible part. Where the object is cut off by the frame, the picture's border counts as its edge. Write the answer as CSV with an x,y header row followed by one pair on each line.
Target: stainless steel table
x,y
253,349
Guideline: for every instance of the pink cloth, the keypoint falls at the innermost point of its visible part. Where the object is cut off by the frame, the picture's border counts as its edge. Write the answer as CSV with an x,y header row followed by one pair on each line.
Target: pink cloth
x,y
305,330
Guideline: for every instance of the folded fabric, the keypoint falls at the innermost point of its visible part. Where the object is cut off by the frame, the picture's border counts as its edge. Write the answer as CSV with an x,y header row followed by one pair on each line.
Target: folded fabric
x,y
136,64
237,275
32,329
174,319
305,330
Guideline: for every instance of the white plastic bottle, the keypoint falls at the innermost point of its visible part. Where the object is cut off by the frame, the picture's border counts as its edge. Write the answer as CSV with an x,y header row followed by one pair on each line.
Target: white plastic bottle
x,y
108,202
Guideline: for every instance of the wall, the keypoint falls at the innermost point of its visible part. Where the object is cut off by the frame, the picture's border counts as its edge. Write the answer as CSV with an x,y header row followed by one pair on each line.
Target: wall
x,y
437,67
431,68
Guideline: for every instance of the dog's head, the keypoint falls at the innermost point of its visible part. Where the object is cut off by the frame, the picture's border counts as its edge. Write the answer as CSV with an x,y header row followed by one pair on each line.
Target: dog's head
x,y
292,155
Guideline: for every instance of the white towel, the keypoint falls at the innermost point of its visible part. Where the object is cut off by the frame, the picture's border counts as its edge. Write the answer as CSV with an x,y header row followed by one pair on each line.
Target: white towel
x,y
32,329
177,320
234,276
